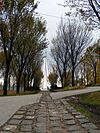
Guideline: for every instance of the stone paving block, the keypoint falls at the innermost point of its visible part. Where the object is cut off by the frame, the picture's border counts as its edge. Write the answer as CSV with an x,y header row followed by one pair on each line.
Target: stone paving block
x,y
5,132
57,130
84,120
9,127
40,131
78,131
20,112
41,118
71,108
17,116
70,122
76,113
26,128
27,122
23,132
29,117
74,128
55,123
68,117
14,122
23,109
54,118
31,110
79,116
54,115
89,126
30,113
41,124
93,131
64,112
42,115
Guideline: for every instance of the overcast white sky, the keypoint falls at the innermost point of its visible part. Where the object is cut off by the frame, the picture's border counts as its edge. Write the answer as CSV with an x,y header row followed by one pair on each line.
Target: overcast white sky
x,y
51,7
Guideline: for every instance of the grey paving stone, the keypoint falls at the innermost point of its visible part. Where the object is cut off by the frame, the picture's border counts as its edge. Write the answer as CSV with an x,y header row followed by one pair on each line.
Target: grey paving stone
x,y
41,118
84,120
20,112
78,131
9,127
93,131
25,128
5,132
70,108
14,121
54,115
23,109
40,131
68,117
30,113
70,122
74,128
54,118
33,110
17,116
27,122
41,125
89,126
28,117
76,113
57,130
23,132
55,123
65,112
79,116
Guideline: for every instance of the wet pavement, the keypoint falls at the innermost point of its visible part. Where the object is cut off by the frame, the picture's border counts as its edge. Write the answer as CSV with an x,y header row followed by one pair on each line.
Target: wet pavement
x,y
48,116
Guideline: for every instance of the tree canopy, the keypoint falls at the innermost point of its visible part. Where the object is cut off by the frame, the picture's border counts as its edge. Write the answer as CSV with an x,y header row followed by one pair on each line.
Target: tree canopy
x,y
22,36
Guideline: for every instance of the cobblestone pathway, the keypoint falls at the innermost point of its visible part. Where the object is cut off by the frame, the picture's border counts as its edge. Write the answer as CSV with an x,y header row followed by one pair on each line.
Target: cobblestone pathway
x,y
48,116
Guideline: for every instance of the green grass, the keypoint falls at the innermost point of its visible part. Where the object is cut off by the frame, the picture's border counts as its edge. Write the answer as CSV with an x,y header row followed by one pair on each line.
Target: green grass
x,y
69,88
23,93
84,106
82,110
90,98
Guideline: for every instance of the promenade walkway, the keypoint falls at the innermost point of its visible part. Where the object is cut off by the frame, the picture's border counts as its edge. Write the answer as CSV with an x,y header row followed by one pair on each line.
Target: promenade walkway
x,y
48,116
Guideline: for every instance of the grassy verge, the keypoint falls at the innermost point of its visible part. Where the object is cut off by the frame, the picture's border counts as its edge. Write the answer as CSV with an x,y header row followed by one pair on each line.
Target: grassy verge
x,y
13,93
68,88
89,105
90,98
84,111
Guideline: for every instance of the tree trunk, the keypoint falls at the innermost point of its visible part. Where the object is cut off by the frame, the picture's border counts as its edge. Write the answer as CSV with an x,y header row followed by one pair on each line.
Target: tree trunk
x,y
73,70
87,78
31,82
28,82
95,75
24,82
62,84
18,85
9,82
94,9
6,80
34,86
64,76
13,86
18,81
